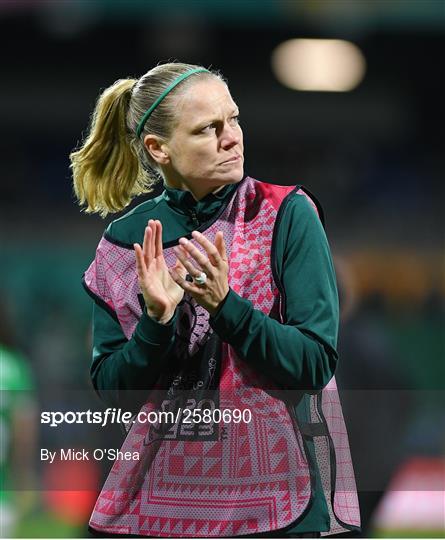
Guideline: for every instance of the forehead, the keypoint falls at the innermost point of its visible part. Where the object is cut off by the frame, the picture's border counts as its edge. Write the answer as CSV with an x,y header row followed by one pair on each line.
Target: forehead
x,y
203,99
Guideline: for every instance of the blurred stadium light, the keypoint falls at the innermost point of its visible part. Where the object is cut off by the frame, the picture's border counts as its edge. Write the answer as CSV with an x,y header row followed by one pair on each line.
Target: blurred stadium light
x,y
324,65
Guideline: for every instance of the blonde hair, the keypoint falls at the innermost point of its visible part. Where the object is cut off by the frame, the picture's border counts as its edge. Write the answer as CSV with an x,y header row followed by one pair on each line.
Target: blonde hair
x,y
112,166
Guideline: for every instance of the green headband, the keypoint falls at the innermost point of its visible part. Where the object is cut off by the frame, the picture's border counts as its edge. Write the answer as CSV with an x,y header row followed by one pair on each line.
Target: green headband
x,y
162,96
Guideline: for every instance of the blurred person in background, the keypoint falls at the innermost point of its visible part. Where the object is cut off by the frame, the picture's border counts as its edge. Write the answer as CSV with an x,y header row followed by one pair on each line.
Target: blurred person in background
x,y
218,294
18,431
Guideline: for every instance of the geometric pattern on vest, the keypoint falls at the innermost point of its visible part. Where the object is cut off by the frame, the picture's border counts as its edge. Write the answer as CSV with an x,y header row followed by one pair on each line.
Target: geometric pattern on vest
x,y
254,477
338,483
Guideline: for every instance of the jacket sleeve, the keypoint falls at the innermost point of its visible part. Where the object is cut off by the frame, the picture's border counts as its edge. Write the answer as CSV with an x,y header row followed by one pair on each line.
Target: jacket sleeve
x,y
299,353
123,371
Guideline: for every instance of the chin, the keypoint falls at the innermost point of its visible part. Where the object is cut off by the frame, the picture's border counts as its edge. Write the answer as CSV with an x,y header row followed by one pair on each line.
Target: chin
x,y
222,179
234,177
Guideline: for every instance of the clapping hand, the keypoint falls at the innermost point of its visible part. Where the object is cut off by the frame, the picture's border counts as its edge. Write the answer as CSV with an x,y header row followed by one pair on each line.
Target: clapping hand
x,y
161,293
209,272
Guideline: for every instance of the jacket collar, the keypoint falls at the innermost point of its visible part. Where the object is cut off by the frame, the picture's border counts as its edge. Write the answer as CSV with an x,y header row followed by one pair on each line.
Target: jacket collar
x,y
183,201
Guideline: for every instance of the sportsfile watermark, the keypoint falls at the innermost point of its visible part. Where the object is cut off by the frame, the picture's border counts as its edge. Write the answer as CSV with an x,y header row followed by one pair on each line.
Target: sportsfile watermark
x,y
113,415
376,424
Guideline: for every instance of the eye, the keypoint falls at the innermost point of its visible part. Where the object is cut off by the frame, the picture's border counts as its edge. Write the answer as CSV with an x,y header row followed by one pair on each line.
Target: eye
x,y
209,128
235,120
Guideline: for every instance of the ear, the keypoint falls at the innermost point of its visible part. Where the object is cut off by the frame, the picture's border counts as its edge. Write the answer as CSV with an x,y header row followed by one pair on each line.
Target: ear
x,y
157,149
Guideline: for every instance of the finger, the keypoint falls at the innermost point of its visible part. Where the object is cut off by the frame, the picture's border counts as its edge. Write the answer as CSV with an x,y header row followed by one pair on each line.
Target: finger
x,y
180,269
152,239
221,245
197,255
210,249
187,286
146,246
200,258
158,239
141,267
186,262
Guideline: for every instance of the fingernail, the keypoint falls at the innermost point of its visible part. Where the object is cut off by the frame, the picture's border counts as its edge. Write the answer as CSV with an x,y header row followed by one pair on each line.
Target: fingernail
x,y
183,241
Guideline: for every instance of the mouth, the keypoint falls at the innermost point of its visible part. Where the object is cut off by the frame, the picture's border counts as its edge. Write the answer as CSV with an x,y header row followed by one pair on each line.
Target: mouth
x,y
233,159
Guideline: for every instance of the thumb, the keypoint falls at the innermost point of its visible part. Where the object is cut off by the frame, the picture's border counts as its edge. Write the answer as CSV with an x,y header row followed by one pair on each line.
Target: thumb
x,y
180,268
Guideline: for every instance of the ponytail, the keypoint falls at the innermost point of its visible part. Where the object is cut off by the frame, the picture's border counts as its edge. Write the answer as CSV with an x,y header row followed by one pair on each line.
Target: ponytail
x,y
107,172
113,166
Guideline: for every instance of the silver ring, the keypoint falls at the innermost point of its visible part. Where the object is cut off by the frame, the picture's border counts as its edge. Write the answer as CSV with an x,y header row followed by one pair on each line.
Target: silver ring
x,y
201,279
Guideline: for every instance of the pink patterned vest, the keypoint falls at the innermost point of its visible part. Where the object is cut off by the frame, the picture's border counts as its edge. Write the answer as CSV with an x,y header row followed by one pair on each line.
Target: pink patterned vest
x,y
220,478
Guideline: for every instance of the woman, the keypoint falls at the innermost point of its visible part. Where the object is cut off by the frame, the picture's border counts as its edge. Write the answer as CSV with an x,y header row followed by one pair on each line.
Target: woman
x,y
218,295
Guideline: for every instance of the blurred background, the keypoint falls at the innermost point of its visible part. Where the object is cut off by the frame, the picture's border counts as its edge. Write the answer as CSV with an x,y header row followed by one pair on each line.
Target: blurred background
x,y
354,110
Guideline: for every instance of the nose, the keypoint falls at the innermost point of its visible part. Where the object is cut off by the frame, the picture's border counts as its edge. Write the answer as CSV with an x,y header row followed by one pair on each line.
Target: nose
x,y
230,137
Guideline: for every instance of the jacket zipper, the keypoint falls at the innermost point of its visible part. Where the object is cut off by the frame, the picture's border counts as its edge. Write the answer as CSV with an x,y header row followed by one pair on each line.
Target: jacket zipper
x,y
194,217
